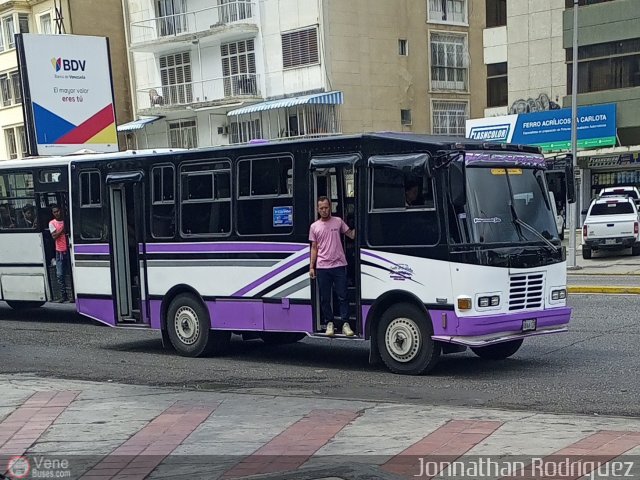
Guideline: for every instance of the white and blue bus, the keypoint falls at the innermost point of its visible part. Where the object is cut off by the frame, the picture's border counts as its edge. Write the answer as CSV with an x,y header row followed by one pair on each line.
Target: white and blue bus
x,y
201,244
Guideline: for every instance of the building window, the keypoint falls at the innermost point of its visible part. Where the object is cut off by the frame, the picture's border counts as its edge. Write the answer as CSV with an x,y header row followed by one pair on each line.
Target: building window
x,y
16,142
449,117
449,63
403,48
497,85
606,66
239,68
448,11
582,3
9,31
183,134
45,24
10,88
171,17
175,75
245,131
300,48
23,22
496,13
405,117
234,10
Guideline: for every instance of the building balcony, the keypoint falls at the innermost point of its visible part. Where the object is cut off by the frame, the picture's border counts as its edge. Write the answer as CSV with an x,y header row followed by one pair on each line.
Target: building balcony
x,y
231,20
194,95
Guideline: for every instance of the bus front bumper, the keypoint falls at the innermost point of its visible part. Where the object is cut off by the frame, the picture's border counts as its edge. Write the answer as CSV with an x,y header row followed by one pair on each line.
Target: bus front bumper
x,y
488,330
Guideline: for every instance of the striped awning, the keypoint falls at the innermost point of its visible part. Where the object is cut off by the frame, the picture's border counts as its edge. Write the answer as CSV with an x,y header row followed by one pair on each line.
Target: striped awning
x,y
136,124
327,98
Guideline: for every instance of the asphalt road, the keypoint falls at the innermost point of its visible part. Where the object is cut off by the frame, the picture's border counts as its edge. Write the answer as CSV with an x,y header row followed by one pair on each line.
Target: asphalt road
x,y
593,369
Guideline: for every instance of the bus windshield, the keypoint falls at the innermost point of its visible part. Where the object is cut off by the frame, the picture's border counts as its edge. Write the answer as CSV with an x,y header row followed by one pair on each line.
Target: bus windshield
x,y
502,199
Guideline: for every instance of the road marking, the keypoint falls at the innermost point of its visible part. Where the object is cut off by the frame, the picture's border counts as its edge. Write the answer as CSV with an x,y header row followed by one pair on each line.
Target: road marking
x,y
448,442
142,453
582,457
294,446
27,423
603,289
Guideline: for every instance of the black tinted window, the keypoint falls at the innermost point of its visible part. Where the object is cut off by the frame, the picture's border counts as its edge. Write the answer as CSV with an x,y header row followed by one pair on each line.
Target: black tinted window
x,y
163,208
617,208
91,219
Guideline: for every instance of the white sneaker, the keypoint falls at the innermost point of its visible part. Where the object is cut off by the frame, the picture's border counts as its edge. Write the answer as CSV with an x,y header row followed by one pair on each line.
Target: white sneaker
x,y
346,330
330,330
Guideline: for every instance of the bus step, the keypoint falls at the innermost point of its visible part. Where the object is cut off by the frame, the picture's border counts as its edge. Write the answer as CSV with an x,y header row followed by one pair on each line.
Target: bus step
x,y
337,335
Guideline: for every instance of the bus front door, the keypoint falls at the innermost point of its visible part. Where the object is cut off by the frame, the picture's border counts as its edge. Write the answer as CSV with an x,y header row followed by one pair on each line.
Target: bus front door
x,y
335,178
128,248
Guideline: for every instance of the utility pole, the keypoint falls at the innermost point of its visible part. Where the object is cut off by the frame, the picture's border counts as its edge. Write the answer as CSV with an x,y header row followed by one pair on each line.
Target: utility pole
x,y
574,209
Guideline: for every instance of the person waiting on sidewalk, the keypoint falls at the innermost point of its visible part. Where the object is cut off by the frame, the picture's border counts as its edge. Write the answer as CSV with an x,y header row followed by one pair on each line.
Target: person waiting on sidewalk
x,y
329,264
56,227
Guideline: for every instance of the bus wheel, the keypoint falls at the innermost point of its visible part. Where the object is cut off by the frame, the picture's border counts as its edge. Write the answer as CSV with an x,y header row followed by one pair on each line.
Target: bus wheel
x,y
499,351
189,328
281,338
404,340
22,305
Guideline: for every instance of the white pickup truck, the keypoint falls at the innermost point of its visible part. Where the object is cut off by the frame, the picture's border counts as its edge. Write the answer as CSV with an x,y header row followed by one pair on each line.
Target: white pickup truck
x,y
611,224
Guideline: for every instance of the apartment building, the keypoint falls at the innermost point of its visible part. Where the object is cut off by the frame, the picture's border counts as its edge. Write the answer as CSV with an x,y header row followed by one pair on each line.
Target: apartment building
x,y
238,70
524,56
608,72
48,17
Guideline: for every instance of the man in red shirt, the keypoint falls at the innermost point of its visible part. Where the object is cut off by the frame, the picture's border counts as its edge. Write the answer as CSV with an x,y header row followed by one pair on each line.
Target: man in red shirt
x,y
329,263
59,234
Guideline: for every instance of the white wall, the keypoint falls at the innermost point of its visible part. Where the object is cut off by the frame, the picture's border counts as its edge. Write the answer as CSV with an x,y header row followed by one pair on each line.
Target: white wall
x,y
494,41
535,52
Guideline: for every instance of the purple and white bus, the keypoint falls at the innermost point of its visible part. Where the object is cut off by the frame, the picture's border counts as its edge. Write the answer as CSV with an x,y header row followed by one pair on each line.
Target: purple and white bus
x,y
201,244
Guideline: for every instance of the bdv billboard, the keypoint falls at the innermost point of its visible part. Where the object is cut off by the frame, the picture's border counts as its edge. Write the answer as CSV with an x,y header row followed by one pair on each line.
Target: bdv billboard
x,y
550,130
68,95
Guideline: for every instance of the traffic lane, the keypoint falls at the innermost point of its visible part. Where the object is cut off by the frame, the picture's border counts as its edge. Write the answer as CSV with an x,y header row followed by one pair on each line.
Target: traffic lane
x,y
589,370
604,280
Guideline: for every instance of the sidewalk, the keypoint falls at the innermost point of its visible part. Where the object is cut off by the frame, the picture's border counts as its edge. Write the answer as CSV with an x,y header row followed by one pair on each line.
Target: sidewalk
x,y
109,431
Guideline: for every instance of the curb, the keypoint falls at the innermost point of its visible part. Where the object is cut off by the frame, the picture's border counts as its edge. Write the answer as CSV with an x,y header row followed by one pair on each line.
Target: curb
x,y
581,273
602,289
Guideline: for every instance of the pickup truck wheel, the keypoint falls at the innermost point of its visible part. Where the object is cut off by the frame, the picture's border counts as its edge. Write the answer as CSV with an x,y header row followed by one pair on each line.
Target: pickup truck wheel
x,y
586,252
635,250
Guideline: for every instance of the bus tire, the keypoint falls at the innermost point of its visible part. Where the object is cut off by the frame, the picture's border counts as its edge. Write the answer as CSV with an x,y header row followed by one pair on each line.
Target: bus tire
x,y
23,305
404,340
281,338
189,328
586,252
499,351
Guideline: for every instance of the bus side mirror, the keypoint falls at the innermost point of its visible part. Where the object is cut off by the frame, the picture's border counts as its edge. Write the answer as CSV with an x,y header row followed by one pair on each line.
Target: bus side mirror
x,y
457,189
571,181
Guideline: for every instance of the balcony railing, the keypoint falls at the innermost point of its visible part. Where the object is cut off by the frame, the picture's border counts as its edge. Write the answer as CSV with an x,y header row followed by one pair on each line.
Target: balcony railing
x,y
156,28
208,91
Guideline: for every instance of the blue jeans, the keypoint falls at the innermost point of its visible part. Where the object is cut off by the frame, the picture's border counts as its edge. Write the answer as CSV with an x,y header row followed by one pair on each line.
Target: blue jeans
x,y
62,267
336,278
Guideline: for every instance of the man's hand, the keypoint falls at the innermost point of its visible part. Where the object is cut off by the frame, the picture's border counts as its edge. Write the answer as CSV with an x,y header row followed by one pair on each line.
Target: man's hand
x,y
312,272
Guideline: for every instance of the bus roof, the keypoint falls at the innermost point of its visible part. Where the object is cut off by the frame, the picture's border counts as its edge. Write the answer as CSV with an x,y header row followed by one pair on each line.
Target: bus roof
x,y
430,142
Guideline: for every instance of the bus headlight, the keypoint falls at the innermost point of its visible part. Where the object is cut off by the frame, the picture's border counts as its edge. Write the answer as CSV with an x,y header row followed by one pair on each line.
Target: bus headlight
x,y
486,302
559,294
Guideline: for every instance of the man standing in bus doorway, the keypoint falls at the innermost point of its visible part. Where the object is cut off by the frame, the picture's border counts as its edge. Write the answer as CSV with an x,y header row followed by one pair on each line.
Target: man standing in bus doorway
x,y
56,227
329,264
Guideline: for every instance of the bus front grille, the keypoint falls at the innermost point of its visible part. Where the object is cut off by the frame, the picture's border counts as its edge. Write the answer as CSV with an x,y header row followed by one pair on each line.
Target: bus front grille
x,y
526,291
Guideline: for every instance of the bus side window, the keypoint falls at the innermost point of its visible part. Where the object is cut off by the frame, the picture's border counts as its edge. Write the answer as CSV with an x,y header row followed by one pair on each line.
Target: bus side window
x,y
91,221
163,202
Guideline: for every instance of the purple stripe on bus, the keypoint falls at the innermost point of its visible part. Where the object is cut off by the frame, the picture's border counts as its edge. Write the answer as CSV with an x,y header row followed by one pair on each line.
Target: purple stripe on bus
x,y
223,247
373,255
365,312
96,248
100,309
500,323
229,315
155,310
280,317
270,275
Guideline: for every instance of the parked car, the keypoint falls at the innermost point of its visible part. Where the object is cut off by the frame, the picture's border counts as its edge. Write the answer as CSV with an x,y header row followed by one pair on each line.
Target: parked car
x,y
612,224
621,191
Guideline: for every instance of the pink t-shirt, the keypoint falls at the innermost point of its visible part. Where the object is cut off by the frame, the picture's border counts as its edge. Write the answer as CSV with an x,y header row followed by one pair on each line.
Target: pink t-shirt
x,y
327,234
61,241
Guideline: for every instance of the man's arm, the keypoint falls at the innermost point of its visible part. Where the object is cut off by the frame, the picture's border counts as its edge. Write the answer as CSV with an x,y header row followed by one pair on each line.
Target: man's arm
x,y
314,257
57,233
351,233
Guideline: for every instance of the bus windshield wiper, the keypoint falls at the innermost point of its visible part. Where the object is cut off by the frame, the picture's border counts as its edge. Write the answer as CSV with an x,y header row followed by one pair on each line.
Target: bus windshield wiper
x,y
522,223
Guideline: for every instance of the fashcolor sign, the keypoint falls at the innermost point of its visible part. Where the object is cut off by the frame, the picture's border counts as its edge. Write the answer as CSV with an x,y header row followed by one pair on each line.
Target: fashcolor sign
x,y
550,130
66,81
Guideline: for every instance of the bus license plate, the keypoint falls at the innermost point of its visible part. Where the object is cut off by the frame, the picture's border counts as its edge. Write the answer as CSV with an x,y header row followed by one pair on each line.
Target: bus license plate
x,y
529,325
